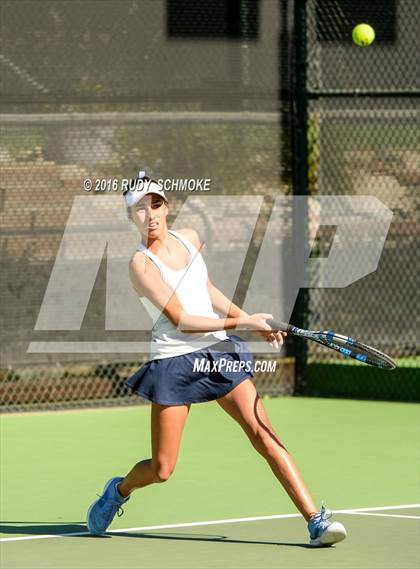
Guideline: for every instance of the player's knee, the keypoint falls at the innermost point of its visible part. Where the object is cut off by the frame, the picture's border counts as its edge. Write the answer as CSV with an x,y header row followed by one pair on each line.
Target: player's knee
x,y
163,475
264,441
258,439
162,471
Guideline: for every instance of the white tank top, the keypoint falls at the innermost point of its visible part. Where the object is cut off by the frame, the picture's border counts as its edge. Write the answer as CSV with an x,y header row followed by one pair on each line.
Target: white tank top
x,y
190,286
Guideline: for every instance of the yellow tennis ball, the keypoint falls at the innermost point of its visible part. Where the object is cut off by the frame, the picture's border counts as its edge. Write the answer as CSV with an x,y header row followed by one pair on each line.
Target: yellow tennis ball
x,y
363,34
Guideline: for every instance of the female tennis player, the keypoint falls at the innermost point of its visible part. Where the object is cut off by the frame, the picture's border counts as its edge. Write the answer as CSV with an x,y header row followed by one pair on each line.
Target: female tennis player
x,y
170,276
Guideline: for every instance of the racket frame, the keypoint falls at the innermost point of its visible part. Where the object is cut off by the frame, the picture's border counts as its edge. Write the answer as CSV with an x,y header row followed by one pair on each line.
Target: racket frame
x,y
344,345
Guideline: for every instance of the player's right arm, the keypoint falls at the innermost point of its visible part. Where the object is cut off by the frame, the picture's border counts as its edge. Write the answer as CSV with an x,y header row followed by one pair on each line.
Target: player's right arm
x,y
147,281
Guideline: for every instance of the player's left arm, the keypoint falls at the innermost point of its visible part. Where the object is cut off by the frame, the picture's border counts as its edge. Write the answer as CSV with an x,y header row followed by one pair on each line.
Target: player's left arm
x,y
222,304
219,301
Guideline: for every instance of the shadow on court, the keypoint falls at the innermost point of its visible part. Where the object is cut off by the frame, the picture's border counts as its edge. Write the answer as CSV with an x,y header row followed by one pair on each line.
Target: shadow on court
x,y
198,537
42,528
64,528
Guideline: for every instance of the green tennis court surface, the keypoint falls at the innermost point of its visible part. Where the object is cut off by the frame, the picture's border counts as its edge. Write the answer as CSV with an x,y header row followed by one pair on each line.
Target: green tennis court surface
x,y
355,455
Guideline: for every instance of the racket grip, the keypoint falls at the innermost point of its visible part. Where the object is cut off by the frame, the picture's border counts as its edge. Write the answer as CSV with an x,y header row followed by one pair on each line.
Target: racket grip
x,y
281,326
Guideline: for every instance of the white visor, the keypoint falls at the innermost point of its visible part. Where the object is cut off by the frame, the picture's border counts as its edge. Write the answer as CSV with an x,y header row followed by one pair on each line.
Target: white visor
x,y
141,188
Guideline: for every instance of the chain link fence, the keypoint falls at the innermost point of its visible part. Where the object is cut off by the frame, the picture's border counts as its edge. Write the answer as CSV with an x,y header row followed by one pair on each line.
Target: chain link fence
x,y
85,384
182,89
202,89
364,139
203,53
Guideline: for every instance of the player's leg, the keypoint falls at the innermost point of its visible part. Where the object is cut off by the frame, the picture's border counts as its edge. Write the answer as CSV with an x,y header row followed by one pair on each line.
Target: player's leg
x,y
246,407
167,425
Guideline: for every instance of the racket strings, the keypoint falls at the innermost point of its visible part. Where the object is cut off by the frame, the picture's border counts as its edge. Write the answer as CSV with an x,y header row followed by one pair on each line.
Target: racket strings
x,y
352,348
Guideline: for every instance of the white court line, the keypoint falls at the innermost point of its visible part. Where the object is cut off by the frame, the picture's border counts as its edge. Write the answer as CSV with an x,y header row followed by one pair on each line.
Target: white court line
x,y
382,515
166,526
403,507
209,523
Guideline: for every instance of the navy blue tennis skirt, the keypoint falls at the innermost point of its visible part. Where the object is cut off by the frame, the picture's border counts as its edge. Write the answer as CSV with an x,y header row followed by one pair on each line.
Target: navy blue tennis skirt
x,y
200,376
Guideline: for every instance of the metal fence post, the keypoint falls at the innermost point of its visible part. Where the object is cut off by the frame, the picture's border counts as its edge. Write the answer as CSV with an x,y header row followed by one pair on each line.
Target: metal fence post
x,y
300,180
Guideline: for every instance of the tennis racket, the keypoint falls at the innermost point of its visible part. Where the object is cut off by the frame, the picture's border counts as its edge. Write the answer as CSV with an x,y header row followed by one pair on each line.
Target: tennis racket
x,y
347,347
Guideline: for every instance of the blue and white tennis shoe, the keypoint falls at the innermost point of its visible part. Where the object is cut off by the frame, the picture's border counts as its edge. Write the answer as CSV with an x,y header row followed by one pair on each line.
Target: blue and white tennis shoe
x,y
102,511
323,532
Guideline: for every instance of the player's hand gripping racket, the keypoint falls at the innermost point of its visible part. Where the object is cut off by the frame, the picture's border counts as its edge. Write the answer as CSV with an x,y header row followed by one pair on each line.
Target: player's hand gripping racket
x,y
348,347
